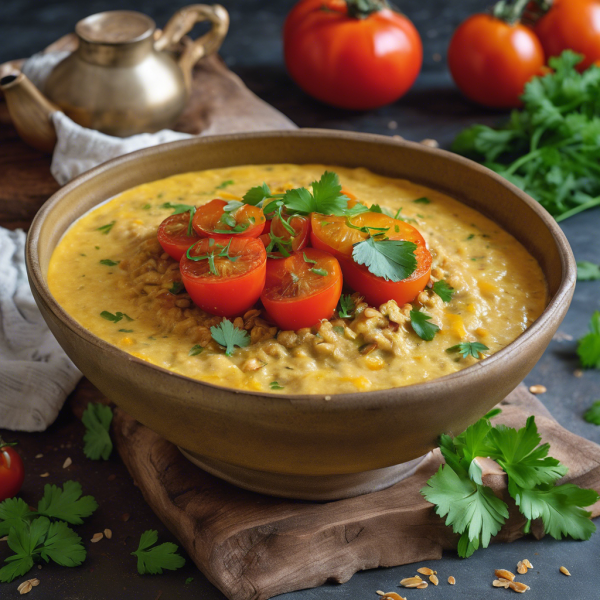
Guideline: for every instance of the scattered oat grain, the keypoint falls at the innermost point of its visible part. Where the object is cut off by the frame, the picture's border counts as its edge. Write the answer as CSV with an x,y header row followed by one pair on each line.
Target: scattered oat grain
x,y
565,571
4,538
24,588
430,143
433,578
578,373
380,593
517,586
451,580
537,389
527,564
422,586
500,583
504,574
68,462
96,537
426,571
392,596
392,125
46,474
411,582
108,534
40,455
521,568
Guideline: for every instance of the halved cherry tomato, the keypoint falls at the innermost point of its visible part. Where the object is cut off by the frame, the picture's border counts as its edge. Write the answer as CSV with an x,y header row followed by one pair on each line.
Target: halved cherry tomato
x,y
229,278
210,220
12,473
302,289
332,234
301,227
173,235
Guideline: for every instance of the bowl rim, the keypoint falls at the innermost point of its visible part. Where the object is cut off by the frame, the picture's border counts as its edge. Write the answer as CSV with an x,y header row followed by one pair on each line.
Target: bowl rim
x,y
372,398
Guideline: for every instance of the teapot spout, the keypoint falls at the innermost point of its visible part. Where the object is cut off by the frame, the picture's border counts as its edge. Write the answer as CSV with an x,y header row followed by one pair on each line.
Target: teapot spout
x,y
30,111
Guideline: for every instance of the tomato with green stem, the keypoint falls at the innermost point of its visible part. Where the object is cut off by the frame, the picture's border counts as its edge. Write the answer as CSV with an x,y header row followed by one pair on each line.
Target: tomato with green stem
x,y
12,472
221,220
176,234
492,57
302,289
354,54
224,277
295,229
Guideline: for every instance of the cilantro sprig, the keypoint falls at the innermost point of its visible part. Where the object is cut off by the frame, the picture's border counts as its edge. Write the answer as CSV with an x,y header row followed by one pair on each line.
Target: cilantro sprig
x,y
178,208
474,349
346,306
97,418
588,347
392,260
444,290
211,255
471,508
115,318
153,559
229,336
421,325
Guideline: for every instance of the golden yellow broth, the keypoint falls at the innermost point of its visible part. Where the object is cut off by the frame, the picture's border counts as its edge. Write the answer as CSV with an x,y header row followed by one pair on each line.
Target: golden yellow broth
x,y
500,289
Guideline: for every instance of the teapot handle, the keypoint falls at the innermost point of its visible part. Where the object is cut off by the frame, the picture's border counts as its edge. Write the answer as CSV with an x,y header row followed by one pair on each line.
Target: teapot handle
x,y
182,22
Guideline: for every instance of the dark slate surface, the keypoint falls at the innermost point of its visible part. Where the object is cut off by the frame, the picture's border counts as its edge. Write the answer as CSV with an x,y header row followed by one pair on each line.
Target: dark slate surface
x,y
432,109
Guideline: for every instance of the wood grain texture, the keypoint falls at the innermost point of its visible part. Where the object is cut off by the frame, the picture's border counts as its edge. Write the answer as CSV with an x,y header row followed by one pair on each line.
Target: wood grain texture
x,y
253,547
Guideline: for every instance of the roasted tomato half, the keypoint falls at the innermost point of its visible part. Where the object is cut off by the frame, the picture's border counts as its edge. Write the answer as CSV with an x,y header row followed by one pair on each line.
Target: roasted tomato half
x,y
333,234
211,220
302,289
176,235
224,277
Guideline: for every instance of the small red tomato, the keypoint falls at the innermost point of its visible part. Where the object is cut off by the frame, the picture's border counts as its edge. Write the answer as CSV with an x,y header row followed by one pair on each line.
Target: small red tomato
x,y
12,473
175,235
224,278
572,25
355,55
300,225
492,60
211,220
302,289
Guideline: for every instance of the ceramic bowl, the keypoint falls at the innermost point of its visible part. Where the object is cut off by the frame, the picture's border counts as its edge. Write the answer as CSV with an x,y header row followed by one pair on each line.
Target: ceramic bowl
x,y
309,446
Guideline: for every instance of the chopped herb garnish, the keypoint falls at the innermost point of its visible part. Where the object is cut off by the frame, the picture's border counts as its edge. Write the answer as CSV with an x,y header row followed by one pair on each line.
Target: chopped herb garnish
x,y
366,229
593,414
339,329
147,207
421,325
114,318
346,306
422,200
105,229
97,247
154,559
474,349
229,336
588,271
195,350
393,260
321,272
588,347
223,185
274,385
232,205
444,290
278,244
376,208
258,194
108,262
177,287
470,237
177,208
190,231
210,256
309,260
126,330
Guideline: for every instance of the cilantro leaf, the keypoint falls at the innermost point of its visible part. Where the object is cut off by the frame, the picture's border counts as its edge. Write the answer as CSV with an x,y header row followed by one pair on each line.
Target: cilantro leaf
x,y
591,416
66,504
588,347
97,419
444,290
376,208
13,510
525,462
346,306
588,271
154,560
327,194
229,336
257,194
469,508
23,539
421,325
474,349
63,546
559,508
392,260
116,317
177,208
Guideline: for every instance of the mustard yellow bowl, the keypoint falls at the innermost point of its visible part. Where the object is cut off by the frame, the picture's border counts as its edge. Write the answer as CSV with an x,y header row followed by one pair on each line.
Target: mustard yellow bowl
x,y
306,446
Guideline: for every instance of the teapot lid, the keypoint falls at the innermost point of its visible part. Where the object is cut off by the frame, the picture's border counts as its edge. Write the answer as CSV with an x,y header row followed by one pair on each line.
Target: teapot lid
x,y
115,27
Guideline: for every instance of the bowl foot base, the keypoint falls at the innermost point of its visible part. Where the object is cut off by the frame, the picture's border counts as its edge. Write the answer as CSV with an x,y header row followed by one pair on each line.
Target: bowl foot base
x,y
321,488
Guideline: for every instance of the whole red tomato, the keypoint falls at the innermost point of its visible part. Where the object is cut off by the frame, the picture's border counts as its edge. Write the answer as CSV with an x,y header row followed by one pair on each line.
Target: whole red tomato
x,y
354,54
492,60
11,471
572,25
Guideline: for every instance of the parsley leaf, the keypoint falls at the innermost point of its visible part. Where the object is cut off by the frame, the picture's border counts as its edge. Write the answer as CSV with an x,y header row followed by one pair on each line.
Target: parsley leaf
x,y
591,416
393,260
588,347
421,325
474,349
116,317
66,504
97,418
229,336
108,262
256,195
588,271
346,306
63,546
154,560
105,229
444,290
177,208
13,510
326,198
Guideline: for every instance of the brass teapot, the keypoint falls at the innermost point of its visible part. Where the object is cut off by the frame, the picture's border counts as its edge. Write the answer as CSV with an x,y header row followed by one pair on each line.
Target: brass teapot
x,y
124,77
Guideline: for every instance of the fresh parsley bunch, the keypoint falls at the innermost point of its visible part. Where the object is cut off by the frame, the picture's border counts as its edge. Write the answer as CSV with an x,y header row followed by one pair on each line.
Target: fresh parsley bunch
x,y
472,509
551,147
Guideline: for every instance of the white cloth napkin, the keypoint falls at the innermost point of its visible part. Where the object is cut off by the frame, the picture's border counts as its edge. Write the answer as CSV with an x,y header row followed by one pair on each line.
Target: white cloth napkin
x,y
35,374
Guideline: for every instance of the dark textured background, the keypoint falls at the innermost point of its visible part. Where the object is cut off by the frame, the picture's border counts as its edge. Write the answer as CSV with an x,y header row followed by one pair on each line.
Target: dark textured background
x,y
432,109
